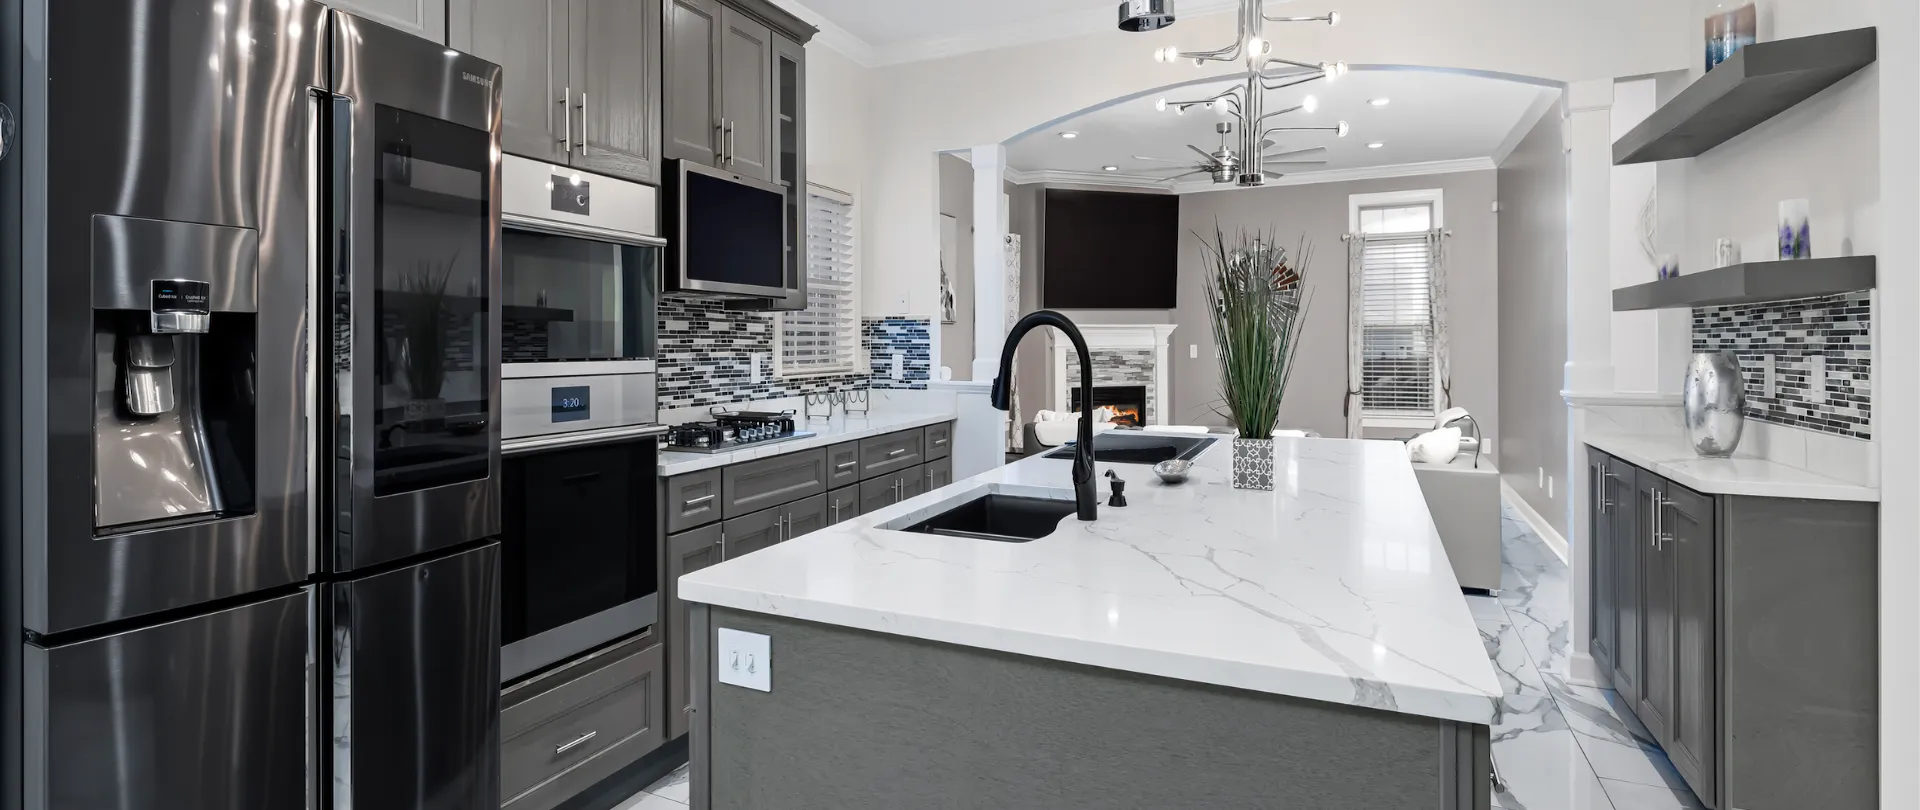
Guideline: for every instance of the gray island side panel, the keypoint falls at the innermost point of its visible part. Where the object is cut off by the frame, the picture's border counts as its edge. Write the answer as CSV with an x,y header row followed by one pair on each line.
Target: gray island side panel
x,y
858,719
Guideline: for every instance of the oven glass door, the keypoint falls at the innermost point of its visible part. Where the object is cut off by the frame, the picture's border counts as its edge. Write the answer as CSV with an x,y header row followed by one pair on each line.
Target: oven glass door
x,y
572,299
581,568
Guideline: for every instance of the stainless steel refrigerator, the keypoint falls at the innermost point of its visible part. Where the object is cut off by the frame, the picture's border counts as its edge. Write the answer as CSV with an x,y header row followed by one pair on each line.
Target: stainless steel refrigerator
x,y
252,411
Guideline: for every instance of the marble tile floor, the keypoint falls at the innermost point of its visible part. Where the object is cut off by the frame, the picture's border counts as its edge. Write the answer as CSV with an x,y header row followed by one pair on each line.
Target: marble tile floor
x,y
1557,745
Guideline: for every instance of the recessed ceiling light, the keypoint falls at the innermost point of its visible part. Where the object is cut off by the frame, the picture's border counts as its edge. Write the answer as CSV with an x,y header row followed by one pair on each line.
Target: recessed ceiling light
x,y
1379,102
1069,135
1375,145
1110,168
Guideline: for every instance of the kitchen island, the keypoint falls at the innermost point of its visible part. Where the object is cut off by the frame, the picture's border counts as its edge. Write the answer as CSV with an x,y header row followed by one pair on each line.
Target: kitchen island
x,y
1202,647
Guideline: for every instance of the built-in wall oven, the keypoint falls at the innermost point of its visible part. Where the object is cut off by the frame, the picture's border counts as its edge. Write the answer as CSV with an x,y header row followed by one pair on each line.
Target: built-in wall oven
x,y
580,274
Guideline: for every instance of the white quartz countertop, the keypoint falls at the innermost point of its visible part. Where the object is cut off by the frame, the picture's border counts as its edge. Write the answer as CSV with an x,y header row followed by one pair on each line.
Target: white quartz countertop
x,y
841,428
1332,587
1674,460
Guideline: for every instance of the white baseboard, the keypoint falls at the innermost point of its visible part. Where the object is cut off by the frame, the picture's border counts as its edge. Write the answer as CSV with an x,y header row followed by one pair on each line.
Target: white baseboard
x,y
1583,671
1539,524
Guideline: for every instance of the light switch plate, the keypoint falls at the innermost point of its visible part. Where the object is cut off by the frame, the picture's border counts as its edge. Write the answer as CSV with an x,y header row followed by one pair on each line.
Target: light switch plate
x,y
899,367
1193,351
1817,378
746,659
1770,379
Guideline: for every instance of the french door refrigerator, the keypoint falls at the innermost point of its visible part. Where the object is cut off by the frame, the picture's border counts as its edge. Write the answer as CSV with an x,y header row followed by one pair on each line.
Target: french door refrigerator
x,y
251,412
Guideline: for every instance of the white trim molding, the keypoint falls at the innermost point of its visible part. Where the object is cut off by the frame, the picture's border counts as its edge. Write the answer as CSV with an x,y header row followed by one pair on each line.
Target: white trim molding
x,y
1434,196
1023,178
1534,520
1115,336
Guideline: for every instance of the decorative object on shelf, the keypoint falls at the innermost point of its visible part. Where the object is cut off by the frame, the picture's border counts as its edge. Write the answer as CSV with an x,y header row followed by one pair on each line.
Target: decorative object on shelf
x,y
1456,416
1145,15
1434,446
1668,266
1245,104
1256,297
1726,253
949,264
1796,232
1730,27
1715,403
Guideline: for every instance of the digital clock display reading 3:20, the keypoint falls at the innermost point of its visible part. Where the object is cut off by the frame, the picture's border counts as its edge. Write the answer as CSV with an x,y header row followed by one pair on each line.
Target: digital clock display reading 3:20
x,y
572,403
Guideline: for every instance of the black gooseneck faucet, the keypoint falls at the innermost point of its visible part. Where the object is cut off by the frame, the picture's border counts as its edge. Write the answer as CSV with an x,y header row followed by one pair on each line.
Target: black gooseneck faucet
x,y
1086,504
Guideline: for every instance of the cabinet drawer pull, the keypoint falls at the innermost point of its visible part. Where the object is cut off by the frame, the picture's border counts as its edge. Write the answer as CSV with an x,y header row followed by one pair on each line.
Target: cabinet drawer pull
x,y
583,124
897,452
939,442
700,500
576,743
847,466
566,100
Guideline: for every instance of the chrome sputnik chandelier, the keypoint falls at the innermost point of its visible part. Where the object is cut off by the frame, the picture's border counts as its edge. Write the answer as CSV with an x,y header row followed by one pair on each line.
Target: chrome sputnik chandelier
x,y
1244,103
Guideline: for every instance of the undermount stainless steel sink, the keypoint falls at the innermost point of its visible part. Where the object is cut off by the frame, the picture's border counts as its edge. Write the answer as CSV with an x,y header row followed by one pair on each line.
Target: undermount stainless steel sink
x,y
996,516
1118,447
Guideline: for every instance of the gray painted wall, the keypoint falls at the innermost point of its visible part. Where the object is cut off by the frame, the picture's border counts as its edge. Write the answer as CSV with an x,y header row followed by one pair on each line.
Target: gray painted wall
x,y
1533,316
1315,398
956,200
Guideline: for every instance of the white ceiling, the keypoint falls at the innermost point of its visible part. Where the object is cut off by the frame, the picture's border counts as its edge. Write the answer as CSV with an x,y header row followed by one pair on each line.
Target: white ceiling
x,y
1432,117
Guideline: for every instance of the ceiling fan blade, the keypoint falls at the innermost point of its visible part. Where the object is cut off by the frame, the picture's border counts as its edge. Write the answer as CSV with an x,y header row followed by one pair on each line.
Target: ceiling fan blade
x,y
1268,142
1178,170
1208,156
1192,173
1273,174
1294,162
1294,152
1182,161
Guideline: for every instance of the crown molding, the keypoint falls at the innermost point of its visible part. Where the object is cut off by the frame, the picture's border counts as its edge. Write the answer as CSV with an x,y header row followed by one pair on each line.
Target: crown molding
x,y
1109,179
1348,175
1027,32
842,41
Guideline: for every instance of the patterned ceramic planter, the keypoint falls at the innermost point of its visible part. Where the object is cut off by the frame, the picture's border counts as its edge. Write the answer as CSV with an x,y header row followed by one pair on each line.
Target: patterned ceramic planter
x,y
1253,463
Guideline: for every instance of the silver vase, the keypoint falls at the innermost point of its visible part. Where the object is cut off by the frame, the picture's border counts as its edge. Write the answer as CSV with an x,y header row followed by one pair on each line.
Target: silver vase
x,y
1715,400
1253,463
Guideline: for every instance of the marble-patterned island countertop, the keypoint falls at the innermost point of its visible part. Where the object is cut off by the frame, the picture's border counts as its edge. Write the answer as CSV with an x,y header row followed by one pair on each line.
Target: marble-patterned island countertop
x,y
840,428
1333,587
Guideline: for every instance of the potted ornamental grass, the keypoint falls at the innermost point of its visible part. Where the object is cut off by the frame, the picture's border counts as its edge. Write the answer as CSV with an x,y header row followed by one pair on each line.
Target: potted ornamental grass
x,y
1256,297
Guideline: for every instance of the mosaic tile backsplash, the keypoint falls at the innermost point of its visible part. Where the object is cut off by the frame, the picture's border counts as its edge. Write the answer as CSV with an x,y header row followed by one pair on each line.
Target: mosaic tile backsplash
x,y
1839,327
707,352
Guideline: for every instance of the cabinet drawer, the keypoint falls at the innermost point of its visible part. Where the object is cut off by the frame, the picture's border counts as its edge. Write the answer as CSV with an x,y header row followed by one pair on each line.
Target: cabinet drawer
x,y
769,482
891,453
692,500
887,490
940,440
750,533
552,724
843,464
843,505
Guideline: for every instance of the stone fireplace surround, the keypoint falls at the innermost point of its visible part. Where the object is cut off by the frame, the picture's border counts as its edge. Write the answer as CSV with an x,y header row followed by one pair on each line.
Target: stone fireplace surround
x,y
1122,354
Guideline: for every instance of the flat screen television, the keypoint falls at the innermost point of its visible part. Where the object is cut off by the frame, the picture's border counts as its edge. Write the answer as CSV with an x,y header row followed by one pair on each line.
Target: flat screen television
x,y
1110,250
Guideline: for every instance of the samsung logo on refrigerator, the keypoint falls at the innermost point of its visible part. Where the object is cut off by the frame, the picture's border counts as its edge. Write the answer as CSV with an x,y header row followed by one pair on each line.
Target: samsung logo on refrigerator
x,y
479,80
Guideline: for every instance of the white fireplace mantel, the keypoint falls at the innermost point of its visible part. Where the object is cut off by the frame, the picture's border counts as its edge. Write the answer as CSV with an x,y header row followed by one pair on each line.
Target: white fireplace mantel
x,y
1153,336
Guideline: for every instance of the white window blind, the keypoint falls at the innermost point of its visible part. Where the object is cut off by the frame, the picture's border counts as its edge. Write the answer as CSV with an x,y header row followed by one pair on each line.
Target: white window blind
x,y
1397,339
825,337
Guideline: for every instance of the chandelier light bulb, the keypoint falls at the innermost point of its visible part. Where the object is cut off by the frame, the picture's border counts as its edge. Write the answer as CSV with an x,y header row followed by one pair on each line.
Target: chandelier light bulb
x,y
1333,18
1161,105
1328,70
1257,46
1310,104
1343,129
1222,108
1167,55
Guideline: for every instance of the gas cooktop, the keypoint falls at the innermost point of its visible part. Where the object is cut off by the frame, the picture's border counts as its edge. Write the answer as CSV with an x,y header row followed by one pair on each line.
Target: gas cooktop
x,y
732,430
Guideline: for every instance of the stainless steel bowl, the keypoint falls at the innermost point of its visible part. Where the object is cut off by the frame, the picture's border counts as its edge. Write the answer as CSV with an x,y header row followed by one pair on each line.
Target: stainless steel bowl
x,y
1173,471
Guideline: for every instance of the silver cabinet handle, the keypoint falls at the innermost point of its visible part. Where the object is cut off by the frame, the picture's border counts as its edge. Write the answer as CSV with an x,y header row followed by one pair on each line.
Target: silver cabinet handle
x,y
779,528
576,743
566,100
729,143
1658,502
847,466
1661,535
836,511
897,452
700,500
583,124
1600,486
938,442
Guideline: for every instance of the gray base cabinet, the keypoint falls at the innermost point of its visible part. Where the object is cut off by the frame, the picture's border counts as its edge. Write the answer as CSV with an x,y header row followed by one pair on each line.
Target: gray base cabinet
x,y
939,473
843,505
686,552
566,730
1742,633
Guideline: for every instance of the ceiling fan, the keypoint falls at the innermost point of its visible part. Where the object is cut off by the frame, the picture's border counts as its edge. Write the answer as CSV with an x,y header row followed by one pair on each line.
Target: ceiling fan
x,y
1224,165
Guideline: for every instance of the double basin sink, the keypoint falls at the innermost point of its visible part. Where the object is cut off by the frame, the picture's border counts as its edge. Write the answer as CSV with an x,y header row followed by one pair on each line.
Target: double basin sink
x,y
1012,518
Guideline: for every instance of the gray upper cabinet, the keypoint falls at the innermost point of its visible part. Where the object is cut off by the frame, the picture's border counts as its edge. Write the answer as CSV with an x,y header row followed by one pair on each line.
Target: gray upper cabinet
x,y
528,39
614,69
1688,529
789,145
582,78
691,54
422,18
746,95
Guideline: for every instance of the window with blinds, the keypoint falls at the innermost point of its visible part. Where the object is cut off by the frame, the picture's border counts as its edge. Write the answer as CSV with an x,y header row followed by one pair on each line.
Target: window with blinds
x,y
1397,328
825,337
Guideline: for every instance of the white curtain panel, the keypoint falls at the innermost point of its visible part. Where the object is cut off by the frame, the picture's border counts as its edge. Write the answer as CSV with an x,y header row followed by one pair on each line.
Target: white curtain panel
x,y
1442,346
1016,426
1356,248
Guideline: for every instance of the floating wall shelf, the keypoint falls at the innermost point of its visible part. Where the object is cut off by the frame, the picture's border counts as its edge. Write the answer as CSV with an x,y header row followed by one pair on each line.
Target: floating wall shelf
x,y
1751,283
1759,82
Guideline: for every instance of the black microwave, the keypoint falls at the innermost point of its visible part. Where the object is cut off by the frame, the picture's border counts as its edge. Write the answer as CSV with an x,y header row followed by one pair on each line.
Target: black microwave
x,y
729,235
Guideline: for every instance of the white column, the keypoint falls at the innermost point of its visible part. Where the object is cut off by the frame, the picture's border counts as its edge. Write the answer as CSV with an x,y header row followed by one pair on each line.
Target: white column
x,y
1589,366
990,217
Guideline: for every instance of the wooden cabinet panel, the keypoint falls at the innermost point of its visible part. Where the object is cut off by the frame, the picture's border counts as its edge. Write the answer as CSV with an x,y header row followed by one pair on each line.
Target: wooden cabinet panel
x,y
614,69
939,473
746,95
1604,628
1657,604
618,702
691,89
879,493
528,40
687,552
843,505
769,482
1631,525
748,534
843,464
1693,720
806,516
891,453
692,499
940,440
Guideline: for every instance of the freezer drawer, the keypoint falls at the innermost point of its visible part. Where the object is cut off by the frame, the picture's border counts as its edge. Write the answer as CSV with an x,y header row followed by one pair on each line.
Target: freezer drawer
x,y
204,713
573,716
414,704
